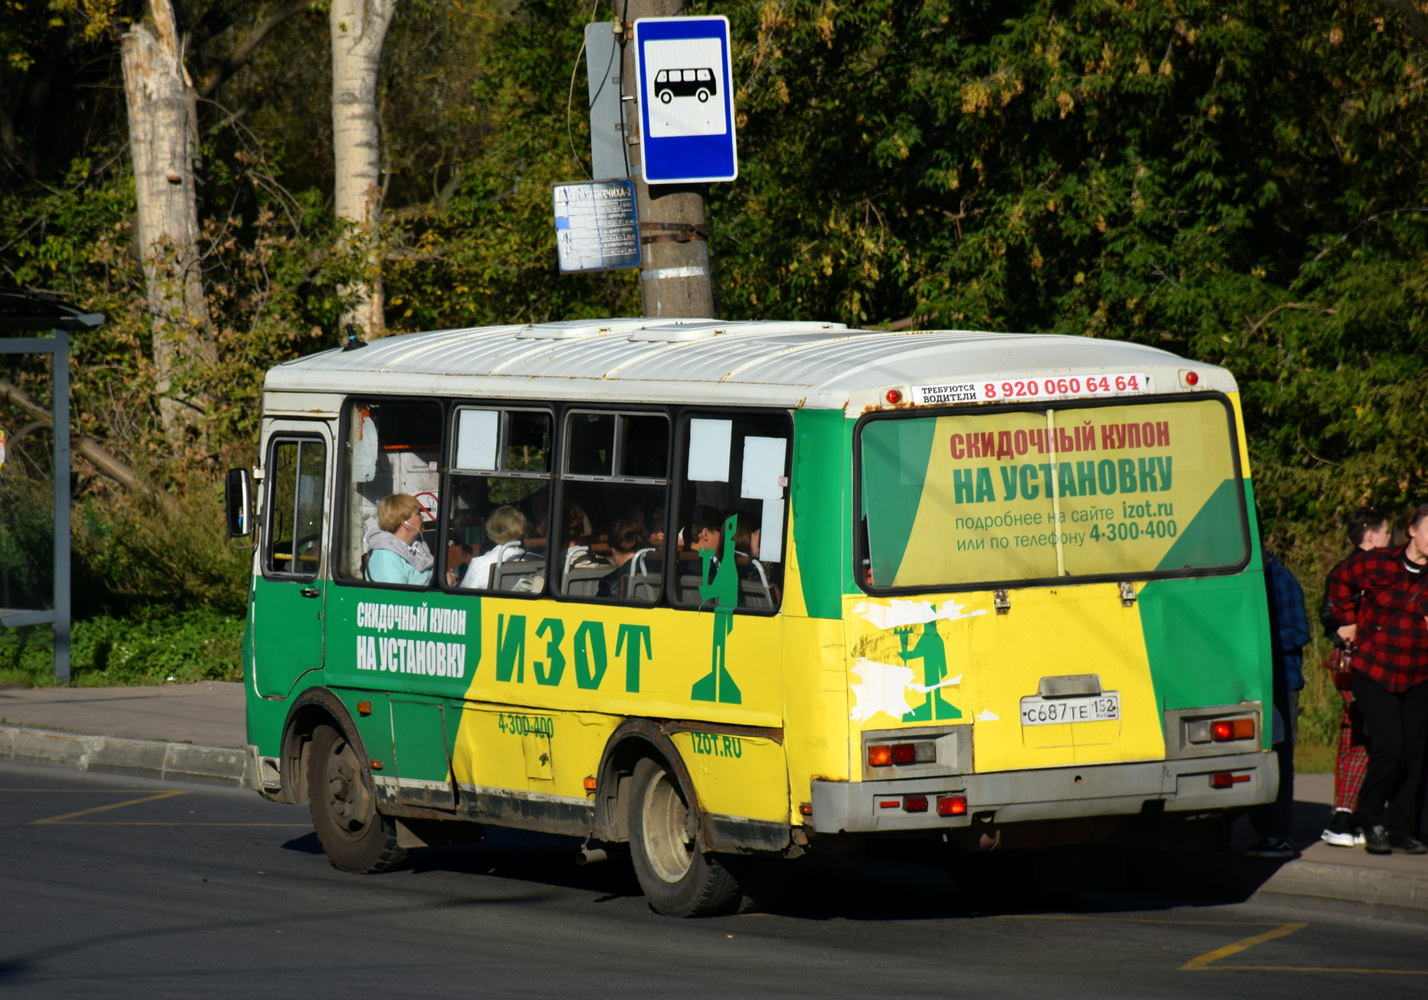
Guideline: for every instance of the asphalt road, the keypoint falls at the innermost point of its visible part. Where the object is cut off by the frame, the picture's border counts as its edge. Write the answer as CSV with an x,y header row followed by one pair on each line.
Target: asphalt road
x,y
119,887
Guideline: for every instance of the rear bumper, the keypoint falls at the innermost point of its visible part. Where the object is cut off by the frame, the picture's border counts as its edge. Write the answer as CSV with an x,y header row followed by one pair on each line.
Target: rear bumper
x,y
1053,793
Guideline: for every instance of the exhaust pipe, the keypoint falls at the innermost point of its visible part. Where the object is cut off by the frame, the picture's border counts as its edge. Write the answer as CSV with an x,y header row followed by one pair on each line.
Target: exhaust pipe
x,y
591,856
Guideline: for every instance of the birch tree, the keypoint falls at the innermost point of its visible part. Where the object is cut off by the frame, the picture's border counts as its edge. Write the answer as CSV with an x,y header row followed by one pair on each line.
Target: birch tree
x,y
359,27
163,143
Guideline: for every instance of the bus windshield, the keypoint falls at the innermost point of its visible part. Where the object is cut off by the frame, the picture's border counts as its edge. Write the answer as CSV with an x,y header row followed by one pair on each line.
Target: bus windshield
x,y
1020,496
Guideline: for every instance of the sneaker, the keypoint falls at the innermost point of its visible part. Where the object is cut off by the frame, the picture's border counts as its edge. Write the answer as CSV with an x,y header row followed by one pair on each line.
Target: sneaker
x,y
1341,829
1271,847
1376,841
1409,844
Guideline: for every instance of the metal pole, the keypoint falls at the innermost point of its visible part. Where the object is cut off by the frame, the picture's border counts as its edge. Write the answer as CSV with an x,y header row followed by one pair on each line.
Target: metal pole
x,y
61,485
674,277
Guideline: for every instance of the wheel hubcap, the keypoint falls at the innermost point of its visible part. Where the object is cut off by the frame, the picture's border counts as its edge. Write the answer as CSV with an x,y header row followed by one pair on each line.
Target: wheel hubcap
x,y
669,843
346,793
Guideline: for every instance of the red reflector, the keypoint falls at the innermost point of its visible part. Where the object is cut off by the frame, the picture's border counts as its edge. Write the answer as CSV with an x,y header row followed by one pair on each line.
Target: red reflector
x,y
915,804
1226,780
880,756
1191,378
904,753
889,803
894,397
1232,729
952,805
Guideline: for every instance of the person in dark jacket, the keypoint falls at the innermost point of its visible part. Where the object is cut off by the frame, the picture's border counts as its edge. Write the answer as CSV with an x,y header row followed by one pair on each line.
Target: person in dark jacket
x,y
1381,594
1368,529
1288,634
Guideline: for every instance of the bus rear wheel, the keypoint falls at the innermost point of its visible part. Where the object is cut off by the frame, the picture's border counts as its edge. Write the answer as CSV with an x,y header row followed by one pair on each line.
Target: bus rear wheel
x,y
678,879
356,837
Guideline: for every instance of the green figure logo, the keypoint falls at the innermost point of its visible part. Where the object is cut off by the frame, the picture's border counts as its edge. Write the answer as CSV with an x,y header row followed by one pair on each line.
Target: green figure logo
x,y
723,590
933,654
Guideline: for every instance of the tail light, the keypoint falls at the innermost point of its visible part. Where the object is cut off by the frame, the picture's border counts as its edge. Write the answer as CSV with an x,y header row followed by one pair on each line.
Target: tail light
x,y
888,754
1240,727
1225,779
952,805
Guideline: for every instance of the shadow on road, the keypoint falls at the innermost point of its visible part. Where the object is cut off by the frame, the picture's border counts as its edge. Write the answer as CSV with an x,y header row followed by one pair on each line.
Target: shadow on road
x,y
905,880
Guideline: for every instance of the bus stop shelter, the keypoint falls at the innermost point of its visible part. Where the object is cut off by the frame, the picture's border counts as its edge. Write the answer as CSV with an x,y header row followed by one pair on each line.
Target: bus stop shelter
x,y
29,313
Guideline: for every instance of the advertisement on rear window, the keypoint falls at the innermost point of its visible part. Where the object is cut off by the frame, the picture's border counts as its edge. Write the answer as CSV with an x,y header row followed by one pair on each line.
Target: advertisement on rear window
x,y
1050,493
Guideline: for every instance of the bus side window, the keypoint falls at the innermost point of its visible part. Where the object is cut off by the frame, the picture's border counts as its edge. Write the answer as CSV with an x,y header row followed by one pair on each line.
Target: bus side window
x,y
614,498
294,543
498,513
391,447
735,466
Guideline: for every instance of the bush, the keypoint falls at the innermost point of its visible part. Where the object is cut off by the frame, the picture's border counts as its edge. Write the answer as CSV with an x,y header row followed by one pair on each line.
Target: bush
x,y
150,647
158,591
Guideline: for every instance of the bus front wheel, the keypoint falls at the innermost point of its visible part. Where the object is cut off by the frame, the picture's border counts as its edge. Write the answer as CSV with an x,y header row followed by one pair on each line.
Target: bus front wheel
x,y
356,837
678,879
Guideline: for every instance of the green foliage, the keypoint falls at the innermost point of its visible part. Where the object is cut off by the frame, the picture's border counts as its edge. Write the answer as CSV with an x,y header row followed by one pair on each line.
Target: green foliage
x,y
149,647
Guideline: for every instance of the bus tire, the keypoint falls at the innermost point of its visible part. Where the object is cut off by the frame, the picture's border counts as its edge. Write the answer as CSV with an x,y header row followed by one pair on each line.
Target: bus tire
x,y
356,837
678,879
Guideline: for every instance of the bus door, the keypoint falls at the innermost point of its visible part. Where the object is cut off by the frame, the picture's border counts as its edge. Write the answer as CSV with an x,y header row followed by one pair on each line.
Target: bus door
x,y
290,594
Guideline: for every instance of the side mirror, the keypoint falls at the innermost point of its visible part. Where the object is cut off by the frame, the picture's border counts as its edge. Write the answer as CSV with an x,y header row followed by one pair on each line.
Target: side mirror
x,y
238,503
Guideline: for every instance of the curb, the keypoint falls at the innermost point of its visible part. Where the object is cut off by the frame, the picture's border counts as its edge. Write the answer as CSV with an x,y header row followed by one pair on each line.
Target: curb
x,y
116,755
1305,881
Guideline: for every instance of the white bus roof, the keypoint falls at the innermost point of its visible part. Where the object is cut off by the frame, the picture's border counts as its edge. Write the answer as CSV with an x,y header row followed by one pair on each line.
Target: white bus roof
x,y
785,364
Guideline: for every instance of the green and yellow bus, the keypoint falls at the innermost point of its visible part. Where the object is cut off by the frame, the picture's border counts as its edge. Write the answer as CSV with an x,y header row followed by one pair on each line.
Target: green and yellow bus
x,y
730,592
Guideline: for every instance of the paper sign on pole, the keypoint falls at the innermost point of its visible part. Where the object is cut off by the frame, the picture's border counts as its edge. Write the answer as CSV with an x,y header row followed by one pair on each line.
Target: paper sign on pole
x,y
596,228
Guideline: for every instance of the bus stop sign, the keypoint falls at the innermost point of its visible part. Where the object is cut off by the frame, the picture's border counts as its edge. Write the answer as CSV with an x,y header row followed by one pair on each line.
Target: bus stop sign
x,y
686,95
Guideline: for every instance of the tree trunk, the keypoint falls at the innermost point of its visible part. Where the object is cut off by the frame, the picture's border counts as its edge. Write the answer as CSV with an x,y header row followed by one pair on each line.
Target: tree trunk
x,y
359,27
674,277
163,142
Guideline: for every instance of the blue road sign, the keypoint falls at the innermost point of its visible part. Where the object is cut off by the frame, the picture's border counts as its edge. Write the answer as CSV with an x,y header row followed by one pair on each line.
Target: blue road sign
x,y
686,95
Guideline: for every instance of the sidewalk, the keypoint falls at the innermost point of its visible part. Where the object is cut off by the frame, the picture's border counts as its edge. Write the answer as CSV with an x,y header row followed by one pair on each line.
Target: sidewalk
x,y
180,731
1339,874
197,732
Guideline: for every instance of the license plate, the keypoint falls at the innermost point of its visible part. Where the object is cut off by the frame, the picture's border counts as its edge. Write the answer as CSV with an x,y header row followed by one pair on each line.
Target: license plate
x,y
1039,711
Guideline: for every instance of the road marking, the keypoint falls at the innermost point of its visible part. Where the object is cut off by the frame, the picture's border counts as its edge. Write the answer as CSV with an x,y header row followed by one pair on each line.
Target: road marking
x,y
1137,920
1204,961
1210,961
68,819
84,791
305,826
113,805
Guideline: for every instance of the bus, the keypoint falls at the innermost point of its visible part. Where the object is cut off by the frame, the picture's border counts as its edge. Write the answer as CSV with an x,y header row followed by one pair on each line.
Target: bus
x,y
732,592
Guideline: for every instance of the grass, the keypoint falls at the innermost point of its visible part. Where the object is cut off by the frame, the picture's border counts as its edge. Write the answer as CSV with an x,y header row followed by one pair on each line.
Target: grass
x,y
153,647
1312,758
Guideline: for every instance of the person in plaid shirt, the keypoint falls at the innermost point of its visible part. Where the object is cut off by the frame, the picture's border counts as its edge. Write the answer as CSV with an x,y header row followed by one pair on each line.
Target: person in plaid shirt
x,y
1381,596
1367,529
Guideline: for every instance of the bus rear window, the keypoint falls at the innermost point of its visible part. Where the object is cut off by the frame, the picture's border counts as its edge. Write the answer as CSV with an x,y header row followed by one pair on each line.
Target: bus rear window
x,y
1018,496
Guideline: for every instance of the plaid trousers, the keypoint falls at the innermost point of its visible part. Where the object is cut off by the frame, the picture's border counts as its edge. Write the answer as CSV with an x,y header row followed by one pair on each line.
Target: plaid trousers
x,y
1351,763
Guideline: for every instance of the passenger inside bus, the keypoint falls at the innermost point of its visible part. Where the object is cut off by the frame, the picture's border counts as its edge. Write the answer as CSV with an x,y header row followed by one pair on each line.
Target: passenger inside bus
x,y
506,530
755,590
626,538
396,551
579,536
